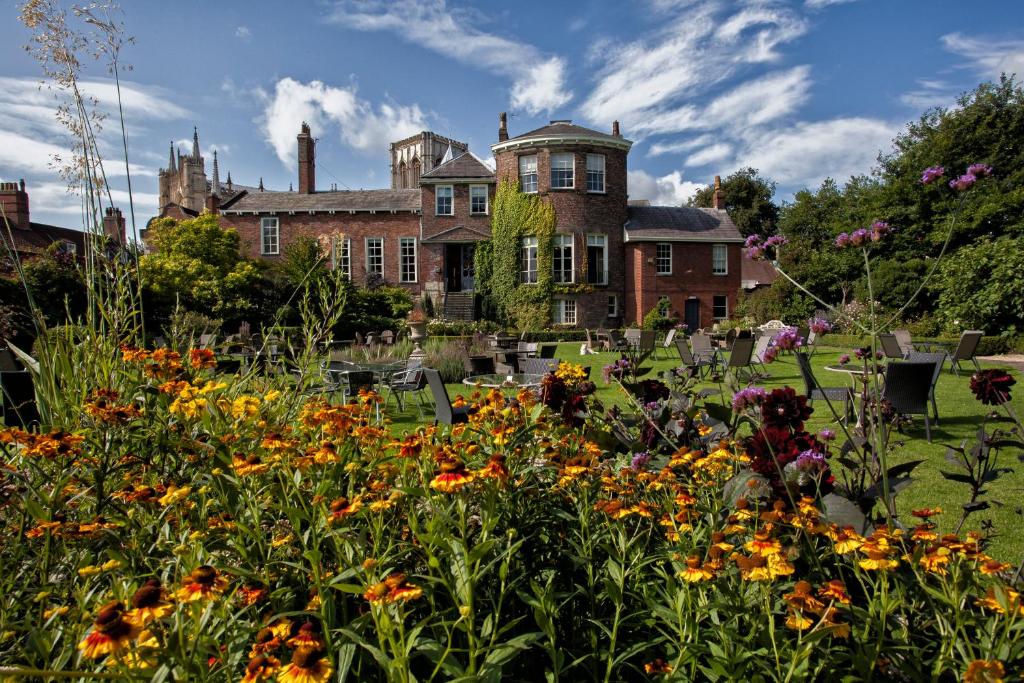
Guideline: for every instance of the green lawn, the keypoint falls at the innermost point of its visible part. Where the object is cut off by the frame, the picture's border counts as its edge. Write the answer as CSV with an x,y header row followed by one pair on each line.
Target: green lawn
x,y
959,413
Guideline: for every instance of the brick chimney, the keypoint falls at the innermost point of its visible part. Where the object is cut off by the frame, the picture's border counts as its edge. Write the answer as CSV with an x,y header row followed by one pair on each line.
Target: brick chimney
x,y
14,200
502,127
307,161
615,129
113,225
718,198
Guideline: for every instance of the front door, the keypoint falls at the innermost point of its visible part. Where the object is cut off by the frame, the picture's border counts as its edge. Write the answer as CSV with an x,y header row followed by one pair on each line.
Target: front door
x,y
468,267
692,315
453,267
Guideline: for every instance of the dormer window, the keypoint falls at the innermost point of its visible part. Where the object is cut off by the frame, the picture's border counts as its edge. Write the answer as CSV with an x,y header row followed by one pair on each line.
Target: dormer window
x,y
444,205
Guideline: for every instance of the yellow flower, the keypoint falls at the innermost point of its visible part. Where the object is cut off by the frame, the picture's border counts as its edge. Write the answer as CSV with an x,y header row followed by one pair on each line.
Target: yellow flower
x,y
984,671
694,572
272,395
175,494
308,665
798,622
90,570
245,406
110,633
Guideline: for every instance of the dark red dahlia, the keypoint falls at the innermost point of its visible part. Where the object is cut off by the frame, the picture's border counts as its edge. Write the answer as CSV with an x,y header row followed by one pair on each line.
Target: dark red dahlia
x,y
992,387
784,408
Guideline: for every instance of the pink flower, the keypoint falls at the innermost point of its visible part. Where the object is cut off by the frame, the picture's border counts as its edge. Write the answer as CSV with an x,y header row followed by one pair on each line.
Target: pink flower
x,y
979,170
844,359
842,240
931,174
963,182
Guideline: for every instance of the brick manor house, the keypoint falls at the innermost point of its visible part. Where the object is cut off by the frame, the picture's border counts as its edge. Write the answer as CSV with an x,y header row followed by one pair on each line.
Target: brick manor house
x,y
421,233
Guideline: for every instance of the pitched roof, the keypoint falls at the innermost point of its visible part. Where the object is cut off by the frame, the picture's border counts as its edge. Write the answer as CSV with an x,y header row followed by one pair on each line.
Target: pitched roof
x,y
566,128
680,224
40,236
755,273
466,165
336,200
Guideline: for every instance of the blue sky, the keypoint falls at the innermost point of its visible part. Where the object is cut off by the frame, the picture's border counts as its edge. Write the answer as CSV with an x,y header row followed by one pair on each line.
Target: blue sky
x,y
802,89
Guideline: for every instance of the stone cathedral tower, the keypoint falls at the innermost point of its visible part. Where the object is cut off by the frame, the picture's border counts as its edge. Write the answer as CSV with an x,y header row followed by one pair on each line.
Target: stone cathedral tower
x,y
184,182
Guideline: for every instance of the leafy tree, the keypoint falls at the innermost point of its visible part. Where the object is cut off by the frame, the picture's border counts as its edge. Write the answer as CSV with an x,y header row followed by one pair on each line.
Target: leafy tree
x,y
56,284
980,288
196,263
748,201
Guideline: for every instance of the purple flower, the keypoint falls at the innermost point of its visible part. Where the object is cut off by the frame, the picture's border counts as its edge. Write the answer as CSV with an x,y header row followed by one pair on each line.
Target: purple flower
x,y
640,460
819,326
844,359
755,253
979,170
879,355
860,353
880,229
931,174
748,398
788,339
752,241
859,237
811,461
775,241
842,240
827,434
963,182
770,354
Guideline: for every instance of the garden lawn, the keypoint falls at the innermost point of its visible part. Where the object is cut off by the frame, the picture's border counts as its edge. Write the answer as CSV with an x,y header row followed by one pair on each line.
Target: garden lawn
x,y
960,415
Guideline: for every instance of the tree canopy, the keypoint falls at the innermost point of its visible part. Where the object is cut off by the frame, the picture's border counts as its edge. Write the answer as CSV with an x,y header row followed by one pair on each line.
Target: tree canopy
x,y
748,201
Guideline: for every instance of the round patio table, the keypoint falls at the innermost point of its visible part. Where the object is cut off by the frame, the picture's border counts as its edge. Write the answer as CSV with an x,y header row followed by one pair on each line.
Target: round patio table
x,y
517,380
857,373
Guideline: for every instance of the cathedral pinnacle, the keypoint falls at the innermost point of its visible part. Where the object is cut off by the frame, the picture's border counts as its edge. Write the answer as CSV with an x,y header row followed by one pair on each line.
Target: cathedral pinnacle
x,y
195,143
216,176
170,162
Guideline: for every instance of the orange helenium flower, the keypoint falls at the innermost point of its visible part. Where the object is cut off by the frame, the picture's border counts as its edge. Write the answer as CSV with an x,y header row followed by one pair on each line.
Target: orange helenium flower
x,y
204,583
110,633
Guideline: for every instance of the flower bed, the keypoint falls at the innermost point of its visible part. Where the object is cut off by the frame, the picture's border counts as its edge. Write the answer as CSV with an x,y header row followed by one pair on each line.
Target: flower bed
x,y
204,529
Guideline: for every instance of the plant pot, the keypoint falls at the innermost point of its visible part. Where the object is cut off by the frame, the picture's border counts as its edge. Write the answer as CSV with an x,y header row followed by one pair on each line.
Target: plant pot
x,y
417,333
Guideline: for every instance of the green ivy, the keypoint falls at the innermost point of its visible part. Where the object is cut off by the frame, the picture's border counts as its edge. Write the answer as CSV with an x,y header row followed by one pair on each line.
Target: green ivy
x,y
517,215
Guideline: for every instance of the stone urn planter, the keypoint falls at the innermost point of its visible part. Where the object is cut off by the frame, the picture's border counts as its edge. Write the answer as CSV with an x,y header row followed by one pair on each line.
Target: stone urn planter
x,y
417,323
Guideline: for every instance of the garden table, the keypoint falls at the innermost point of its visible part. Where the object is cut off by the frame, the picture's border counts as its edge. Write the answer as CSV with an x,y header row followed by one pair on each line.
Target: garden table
x,y
516,381
858,373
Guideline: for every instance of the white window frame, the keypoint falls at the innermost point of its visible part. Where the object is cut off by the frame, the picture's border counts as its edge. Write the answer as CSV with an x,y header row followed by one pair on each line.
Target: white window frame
x,y
266,223
559,276
613,305
603,239
528,261
659,260
713,307
450,189
719,259
528,160
345,258
403,257
368,241
487,207
595,173
558,164
565,312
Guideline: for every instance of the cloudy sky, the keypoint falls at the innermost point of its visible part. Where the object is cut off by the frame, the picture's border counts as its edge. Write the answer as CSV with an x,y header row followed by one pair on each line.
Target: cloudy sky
x,y
800,89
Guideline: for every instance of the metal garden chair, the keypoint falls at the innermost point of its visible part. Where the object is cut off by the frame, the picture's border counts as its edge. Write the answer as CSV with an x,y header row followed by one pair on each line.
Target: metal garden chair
x,y
908,388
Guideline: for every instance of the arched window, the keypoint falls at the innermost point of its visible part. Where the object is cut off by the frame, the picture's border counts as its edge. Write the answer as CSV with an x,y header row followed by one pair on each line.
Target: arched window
x,y
403,175
415,166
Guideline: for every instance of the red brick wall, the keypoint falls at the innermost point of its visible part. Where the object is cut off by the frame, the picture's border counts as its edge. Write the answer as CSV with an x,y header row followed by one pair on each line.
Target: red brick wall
x,y
15,206
581,212
357,227
691,277
433,224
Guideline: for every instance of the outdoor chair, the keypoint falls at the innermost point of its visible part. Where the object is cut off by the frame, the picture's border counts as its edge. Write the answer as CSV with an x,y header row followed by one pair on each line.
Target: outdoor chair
x,y
616,341
891,346
547,351
740,356
206,341
18,399
704,349
666,345
538,366
803,332
688,359
527,349
904,340
965,350
938,358
760,348
359,339
444,412
479,365
407,381
387,337
646,342
907,390
632,337
815,391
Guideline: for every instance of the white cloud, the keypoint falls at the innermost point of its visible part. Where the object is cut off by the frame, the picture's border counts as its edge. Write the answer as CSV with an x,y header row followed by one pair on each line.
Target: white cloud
x,y
360,124
243,33
930,93
539,80
710,155
56,199
808,152
818,4
989,56
760,100
667,190
699,47
660,148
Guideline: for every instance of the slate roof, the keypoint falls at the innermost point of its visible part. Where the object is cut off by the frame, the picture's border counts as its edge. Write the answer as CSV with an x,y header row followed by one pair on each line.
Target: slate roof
x,y
336,200
566,128
40,236
466,165
756,273
680,224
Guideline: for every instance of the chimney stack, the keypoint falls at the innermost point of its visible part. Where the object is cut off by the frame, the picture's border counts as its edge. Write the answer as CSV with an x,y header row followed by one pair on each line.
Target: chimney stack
x,y
113,225
615,129
307,161
718,198
14,200
502,127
